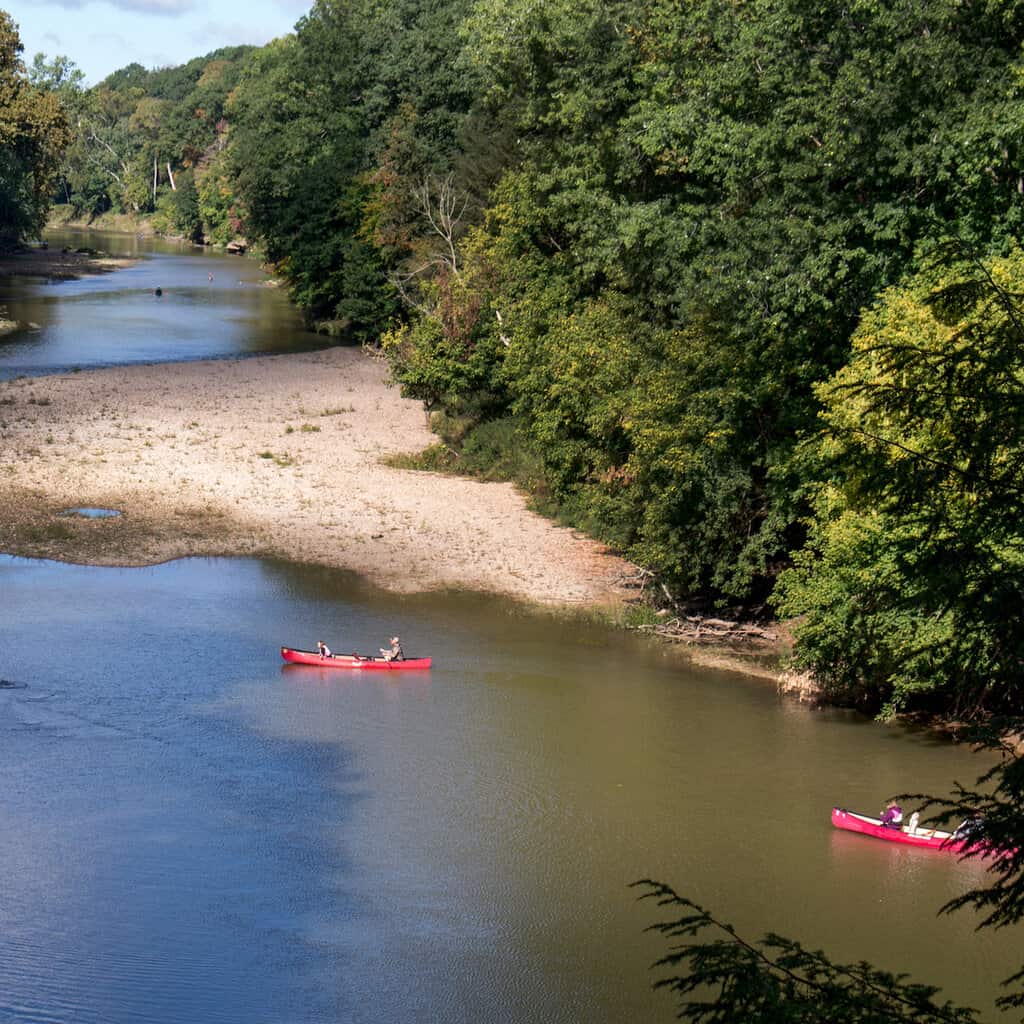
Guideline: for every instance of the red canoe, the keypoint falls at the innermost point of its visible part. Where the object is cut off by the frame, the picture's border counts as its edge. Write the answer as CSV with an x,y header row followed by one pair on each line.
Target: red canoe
x,y
350,660
933,839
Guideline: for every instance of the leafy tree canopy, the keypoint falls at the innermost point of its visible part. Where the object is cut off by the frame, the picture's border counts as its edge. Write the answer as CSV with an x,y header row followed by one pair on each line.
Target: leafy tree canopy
x,y
33,134
914,575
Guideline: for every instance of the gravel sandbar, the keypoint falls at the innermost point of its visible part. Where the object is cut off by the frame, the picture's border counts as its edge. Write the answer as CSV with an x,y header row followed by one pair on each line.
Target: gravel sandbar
x,y
271,456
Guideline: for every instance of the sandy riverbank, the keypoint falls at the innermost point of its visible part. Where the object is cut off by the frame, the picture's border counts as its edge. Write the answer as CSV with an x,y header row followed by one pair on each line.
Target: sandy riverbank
x,y
57,264
277,456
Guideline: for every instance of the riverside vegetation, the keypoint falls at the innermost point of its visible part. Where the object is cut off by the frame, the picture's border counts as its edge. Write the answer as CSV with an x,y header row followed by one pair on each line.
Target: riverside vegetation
x,y
734,287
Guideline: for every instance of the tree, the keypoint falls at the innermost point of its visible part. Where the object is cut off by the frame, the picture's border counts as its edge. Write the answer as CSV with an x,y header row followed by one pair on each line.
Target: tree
x,y
296,154
33,134
59,75
755,173
913,577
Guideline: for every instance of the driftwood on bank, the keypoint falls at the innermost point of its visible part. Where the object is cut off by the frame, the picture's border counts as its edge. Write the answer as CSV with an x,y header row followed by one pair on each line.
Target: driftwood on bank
x,y
693,628
699,629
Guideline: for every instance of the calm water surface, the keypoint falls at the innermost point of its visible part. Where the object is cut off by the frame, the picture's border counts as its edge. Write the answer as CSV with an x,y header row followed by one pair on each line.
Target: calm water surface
x,y
116,318
192,831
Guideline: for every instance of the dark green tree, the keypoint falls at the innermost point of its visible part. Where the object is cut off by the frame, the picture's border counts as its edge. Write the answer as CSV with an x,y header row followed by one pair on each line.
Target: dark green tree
x,y
752,172
297,149
33,134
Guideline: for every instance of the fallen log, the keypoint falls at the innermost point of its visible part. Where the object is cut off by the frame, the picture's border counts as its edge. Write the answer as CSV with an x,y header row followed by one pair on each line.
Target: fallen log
x,y
694,629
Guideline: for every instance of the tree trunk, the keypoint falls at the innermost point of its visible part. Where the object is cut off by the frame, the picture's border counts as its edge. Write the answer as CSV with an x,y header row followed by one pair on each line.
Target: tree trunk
x,y
170,177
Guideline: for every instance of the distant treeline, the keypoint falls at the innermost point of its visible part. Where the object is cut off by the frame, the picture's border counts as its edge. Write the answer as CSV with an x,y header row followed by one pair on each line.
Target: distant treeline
x,y
733,286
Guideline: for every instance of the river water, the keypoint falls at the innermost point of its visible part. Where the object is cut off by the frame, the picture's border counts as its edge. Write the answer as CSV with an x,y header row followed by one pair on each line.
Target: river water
x,y
192,831
211,306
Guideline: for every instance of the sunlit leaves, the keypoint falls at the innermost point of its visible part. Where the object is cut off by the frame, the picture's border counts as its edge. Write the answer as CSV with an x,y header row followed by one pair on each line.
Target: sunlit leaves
x,y
916,561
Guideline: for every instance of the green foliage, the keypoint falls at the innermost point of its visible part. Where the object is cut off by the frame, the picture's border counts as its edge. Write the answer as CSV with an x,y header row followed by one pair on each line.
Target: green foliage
x,y
220,210
33,135
296,147
914,574
751,175
437,458
498,450
451,355
334,133
184,207
58,75
137,128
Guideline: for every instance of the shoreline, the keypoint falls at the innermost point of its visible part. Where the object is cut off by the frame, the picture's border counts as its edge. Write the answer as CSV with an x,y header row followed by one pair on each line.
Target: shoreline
x,y
58,264
277,456
280,456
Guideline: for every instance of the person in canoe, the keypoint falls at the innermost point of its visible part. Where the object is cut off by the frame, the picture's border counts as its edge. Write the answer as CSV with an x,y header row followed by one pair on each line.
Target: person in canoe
x,y
892,816
325,651
394,652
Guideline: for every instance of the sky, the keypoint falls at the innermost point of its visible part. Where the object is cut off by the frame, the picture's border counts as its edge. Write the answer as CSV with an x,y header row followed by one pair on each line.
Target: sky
x,y
101,36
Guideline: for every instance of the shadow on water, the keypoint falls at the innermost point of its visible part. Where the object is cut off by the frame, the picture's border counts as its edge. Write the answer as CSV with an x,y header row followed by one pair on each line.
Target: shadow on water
x,y
163,860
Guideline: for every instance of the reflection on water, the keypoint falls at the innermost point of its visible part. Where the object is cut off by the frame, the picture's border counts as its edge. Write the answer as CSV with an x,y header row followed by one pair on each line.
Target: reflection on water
x,y
91,513
211,305
191,830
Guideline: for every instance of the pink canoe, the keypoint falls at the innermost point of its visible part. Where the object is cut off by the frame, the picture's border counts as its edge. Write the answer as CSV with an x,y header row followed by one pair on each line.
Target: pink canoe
x,y
350,660
933,839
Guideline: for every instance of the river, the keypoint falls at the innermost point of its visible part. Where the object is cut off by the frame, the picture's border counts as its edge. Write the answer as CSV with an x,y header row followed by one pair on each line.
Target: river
x,y
211,305
192,831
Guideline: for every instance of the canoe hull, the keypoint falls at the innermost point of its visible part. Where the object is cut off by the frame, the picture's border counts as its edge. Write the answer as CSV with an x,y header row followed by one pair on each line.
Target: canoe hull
x,y
351,661
931,839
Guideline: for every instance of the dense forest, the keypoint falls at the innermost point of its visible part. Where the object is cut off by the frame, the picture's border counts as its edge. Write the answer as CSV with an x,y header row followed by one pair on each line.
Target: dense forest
x,y
735,287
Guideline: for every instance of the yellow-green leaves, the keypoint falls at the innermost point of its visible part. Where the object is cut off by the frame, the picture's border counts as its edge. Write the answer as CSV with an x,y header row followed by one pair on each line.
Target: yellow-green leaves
x,y
916,557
